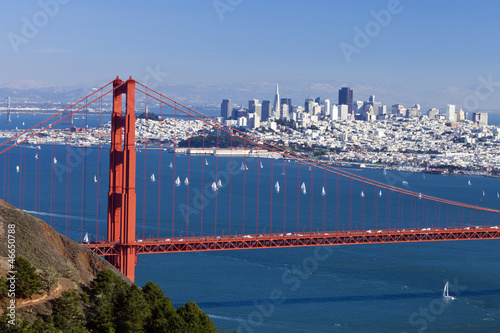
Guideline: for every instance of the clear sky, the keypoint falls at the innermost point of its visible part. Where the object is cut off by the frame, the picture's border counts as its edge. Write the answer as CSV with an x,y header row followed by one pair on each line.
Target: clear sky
x,y
422,44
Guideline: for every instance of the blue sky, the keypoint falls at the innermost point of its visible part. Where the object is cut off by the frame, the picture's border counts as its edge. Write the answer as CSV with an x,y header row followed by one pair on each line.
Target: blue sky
x,y
427,45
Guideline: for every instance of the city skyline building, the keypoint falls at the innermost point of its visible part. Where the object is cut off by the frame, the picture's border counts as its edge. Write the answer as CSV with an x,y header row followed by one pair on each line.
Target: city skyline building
x,y
276,106
345,98
266,110
226,109
450,113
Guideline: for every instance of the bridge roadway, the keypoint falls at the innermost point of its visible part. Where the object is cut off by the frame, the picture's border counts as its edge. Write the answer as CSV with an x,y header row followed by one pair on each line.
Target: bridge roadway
x,y
276,240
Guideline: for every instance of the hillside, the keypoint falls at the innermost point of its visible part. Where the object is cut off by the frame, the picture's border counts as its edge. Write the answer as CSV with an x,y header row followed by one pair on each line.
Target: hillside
x,y
61,286
44,247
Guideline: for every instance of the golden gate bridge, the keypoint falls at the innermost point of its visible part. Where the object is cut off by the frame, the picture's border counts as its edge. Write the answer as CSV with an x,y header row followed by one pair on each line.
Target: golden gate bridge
x,y
354,209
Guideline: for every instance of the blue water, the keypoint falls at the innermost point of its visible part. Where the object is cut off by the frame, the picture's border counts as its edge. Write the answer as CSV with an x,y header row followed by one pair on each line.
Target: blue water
x,y
362,288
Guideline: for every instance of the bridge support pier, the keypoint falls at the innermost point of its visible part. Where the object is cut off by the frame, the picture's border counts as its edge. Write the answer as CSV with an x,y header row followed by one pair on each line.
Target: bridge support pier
x,y
122,166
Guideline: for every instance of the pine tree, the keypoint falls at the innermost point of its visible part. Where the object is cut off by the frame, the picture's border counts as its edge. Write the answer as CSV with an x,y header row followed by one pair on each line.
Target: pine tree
x,y
132,311
27,281
68,316
196,319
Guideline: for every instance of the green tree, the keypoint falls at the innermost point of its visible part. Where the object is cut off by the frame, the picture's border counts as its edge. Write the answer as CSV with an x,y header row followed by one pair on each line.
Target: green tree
x,y
196,319
131,310
27,281
106,289
68,316
163,317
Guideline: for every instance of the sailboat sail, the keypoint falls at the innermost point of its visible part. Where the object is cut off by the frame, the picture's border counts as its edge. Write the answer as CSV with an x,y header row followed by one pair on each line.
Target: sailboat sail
x,y
243,166
303,186
186,181
153,179
362,194
214,186
177,181
380,193
323,192
277,187
446,294
219,183
206,162
261,166
95,178
86,238
170,165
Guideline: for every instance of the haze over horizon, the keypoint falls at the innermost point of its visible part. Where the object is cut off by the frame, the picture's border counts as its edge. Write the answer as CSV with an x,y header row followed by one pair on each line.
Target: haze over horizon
x,y
426,52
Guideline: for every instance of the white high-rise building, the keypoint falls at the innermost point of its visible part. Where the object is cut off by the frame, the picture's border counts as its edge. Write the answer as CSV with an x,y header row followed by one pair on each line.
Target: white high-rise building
x,y
334,112
327,107
277,106
451,115
343,111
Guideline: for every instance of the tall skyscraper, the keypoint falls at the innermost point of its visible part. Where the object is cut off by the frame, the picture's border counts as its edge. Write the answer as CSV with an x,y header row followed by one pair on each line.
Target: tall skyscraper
x,y
326,110
450,113
8,111
288,102
255,107
266,110
226,108
345,98
277,106
308,105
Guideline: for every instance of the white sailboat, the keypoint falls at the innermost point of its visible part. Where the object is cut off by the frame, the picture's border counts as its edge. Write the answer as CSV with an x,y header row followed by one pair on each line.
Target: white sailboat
x,y
17,168
446,295
385,171
95,178
36,156
468,182
277,187
484,194
243,166
420,195
310,169
206,162
219,183
362,194
303,186
186,181
86,238
304,191
153,179
170,165
55,160
214,187
380,193
177,181
323,192
405,182
498,195
261,166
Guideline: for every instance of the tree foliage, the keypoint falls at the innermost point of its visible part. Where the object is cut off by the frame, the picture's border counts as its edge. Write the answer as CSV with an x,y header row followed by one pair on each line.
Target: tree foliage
x,y
112,306
27,281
